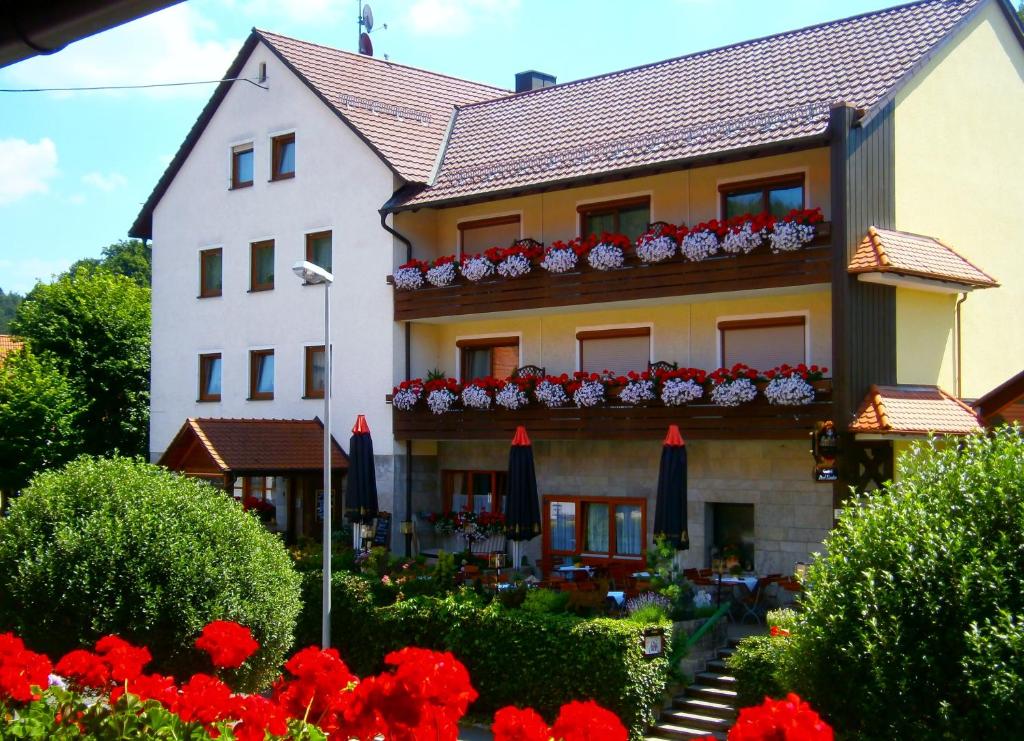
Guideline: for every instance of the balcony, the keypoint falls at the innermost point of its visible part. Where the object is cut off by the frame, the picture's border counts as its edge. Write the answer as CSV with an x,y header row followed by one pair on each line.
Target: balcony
x,y
541,289
756,420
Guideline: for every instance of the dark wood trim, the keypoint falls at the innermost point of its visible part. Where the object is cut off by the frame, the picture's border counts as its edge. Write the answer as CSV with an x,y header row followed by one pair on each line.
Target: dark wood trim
x,y
611,556
611,334
757,420
255,358
276,148
497,489
204,360
765,185
612,205
235,152
773,321
203,255
487,342
673,278
308,391
310,237
253,248
493,221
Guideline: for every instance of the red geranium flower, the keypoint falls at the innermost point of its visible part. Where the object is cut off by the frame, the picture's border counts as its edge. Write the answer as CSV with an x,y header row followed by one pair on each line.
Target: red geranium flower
x,y
21,670
150,687
228,643
124,659
257,717
84,669
790,718
205,699
587,721
513,724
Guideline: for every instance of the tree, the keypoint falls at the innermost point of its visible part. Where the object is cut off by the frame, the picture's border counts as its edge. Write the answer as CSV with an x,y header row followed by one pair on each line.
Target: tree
x,y
129,257
38,411
8,305
95,327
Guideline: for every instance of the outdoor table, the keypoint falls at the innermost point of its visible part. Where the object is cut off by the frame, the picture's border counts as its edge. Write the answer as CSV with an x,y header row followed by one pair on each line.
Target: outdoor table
x,y
570,571
749,581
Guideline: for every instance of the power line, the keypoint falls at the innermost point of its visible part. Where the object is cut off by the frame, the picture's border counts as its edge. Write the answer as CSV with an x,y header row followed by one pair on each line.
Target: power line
x,y
127,87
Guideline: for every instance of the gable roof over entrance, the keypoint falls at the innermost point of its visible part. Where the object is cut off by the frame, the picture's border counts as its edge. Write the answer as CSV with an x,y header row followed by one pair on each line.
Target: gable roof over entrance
x,y
250,446
906,410
401,113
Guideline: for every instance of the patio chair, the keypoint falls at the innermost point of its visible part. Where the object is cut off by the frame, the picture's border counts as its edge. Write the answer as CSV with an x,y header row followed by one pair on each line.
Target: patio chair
x,y
658,226
751,601
662,366
529,371
527,242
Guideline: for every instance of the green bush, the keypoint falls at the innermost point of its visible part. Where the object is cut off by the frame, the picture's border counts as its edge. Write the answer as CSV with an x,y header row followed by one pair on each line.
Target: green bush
x,y
759,667
914,623
546,601
784,618
514,656
120,546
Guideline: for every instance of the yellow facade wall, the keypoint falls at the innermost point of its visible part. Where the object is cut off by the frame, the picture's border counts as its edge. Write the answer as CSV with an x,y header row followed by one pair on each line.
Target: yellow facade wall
x,y
685,333
686,196
925,338
959,165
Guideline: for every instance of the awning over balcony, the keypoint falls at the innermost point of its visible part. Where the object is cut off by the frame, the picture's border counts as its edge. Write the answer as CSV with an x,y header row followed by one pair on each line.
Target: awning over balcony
x,y
912,411
915,261
233,447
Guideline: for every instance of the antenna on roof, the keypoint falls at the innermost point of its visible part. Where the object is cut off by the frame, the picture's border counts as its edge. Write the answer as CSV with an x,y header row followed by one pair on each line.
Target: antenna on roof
x,y
365,27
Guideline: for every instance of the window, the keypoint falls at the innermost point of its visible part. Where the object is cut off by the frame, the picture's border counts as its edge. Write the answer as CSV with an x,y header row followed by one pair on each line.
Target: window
x,y
261,374
480,235
778,196
315,368
489,356
597,527
209,377
628,216
763,343
211,272
282,165
319,249
617,350
241,166
261,276
477,491
733,533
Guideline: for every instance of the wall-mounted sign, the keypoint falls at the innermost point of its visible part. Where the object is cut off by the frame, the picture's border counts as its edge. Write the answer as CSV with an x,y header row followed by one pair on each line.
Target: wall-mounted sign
x,y
826,472
825,449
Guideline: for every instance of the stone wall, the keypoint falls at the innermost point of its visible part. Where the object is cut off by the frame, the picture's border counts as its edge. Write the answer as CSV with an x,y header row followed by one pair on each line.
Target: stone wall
x,y
792,513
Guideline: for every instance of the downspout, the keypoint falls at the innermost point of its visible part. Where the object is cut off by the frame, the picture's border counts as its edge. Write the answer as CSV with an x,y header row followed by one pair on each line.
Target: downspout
x,y
959,348
408,374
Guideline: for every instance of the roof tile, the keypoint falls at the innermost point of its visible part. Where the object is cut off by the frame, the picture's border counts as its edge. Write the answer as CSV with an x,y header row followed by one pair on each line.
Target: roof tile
x,y
902,253
913,410
8,345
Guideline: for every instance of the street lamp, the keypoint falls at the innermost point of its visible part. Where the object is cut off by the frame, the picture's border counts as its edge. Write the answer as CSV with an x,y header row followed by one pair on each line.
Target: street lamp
x,y
314,274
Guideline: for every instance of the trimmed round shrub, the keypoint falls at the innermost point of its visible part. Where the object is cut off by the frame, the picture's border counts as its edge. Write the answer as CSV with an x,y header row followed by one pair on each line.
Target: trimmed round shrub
x,y
914,623
124,547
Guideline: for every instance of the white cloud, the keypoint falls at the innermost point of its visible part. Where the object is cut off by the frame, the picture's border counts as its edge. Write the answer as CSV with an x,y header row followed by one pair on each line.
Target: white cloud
x,y
161,47
456,17
25,168
106,183
22,274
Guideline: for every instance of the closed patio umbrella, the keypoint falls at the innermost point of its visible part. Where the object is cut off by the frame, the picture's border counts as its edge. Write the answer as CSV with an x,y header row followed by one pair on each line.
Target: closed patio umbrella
x,y
522,508
670,510
361,499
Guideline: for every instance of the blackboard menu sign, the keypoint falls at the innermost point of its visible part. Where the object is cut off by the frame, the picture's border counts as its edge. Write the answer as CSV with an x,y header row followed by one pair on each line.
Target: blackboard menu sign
x,y
382,535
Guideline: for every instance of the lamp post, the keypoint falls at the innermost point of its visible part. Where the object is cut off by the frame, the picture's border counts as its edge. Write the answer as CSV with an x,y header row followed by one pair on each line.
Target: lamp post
x,y
315,274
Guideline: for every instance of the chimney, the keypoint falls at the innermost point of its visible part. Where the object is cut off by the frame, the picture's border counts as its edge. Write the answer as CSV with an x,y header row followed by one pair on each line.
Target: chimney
x,y
533,80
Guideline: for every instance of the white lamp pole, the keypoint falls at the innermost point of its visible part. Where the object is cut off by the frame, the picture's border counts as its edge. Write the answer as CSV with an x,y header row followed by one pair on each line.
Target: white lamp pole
x,y
311,273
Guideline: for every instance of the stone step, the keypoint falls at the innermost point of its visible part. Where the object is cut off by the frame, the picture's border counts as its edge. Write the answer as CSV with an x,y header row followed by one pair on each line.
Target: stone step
x,y
716,679
692,719
718,665
705,707
673,731
715,694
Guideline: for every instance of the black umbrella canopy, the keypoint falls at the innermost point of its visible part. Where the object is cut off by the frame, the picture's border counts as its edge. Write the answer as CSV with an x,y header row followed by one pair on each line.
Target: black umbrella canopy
x,y
522,509
361,499
670,512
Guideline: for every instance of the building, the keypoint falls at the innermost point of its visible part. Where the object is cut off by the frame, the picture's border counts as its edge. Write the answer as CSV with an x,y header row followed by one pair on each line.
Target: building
x,y
897,125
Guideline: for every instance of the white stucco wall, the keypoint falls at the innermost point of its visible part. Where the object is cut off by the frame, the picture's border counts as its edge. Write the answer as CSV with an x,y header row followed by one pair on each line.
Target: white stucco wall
x,y
339,185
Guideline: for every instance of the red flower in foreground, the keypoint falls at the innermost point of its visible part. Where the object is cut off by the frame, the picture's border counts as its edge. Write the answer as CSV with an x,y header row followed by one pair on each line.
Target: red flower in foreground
x,y
84,669
21,670
776,631
228,644
124,659
257,716
150,687
513,724
587,721
789,719
205,699
320,676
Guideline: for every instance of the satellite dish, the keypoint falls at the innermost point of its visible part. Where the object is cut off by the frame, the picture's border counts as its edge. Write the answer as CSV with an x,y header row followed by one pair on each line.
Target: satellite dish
x,y
365,45
367,18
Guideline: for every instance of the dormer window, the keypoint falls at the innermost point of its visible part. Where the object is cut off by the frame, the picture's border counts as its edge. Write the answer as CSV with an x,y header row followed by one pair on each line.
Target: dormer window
x,y
282,157
241,166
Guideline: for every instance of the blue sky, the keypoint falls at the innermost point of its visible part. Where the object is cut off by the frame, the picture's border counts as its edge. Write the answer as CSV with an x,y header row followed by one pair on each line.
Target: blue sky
x,y
76,167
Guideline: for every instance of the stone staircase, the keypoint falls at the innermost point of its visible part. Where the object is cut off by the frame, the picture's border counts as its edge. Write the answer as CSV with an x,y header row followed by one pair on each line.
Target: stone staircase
x,y
706,708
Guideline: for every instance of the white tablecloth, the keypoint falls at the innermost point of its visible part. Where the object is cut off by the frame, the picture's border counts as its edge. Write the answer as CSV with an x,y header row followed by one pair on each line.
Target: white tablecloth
x,y
749,581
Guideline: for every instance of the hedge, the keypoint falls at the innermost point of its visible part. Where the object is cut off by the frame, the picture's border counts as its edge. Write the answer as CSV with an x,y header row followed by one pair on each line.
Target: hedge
x,y
514,656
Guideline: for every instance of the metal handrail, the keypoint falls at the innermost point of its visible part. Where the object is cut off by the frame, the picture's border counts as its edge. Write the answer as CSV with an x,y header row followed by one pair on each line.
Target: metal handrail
x,y
699,633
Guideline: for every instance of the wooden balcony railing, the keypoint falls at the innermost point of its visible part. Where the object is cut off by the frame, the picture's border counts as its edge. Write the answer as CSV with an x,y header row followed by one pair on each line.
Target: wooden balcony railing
x,y
540,289
757,420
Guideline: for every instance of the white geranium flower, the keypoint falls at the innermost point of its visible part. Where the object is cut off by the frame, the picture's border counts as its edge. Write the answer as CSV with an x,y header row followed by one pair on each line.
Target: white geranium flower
x,y
474,397
550,394
559,261
441,275
408,279
477,268
699,245
637,392
743,240
789,391
589,394
653,249
405,399
513,266
676,391
605,256
511,397
789,236
734,393
440,400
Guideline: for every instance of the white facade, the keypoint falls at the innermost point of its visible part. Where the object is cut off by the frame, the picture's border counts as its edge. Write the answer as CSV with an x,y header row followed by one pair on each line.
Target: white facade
x,y
339,185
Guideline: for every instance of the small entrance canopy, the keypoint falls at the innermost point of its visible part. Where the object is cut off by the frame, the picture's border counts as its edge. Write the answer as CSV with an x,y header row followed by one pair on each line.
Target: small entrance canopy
x,y
891,412
229,448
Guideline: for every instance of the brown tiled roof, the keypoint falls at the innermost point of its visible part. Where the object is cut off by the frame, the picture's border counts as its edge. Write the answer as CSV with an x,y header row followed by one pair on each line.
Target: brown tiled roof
x,y
913,410
902,253
403,112
767,91
258,445
8,345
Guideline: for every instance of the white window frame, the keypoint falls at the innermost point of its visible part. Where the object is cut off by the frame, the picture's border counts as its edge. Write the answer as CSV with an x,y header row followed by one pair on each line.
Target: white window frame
x,y
602,327
485,336
805,313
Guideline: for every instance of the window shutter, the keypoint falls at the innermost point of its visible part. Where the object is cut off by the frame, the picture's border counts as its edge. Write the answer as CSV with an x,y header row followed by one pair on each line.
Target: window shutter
x,y
764,348
617,354
476,239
